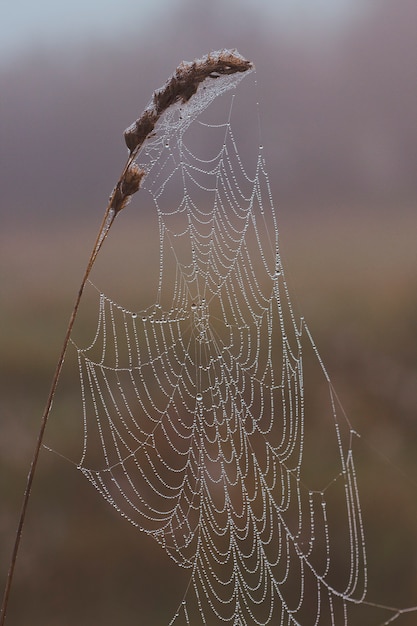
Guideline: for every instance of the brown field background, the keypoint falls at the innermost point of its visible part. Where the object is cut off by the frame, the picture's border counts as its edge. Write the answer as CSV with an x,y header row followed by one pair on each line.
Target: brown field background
x,y
341,144
353,282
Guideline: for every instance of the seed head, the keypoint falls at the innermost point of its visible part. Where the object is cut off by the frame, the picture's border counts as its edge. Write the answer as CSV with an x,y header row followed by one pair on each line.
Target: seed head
x,y
132,180
126,187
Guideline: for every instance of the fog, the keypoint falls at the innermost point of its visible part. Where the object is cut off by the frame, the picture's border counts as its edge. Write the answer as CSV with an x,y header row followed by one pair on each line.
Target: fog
x,y
337,101
337,107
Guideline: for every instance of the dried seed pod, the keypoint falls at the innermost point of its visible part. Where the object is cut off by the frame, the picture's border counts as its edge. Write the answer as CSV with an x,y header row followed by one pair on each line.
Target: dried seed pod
x,y
126,187
137,132
132,180
182,85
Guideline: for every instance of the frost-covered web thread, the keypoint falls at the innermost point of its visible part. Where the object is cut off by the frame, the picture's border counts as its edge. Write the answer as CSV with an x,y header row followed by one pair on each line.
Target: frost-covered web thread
x,y
196,409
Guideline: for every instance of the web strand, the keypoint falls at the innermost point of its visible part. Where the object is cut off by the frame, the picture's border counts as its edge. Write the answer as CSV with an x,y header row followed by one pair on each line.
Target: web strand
x,y
195,411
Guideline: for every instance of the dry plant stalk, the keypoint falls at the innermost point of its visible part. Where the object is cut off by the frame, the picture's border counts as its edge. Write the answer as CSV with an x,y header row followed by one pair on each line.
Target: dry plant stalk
x,y
182,85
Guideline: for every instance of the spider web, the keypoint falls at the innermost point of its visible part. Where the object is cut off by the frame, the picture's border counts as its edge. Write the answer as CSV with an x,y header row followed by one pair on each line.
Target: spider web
x,y
199,411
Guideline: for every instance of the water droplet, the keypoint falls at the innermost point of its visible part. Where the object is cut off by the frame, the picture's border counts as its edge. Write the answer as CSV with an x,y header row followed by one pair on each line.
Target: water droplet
x,y
199,397
134,315
193,306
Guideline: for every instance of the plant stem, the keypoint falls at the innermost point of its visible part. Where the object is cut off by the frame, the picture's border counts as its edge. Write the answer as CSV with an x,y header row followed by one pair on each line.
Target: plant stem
x,y
102,234
182,85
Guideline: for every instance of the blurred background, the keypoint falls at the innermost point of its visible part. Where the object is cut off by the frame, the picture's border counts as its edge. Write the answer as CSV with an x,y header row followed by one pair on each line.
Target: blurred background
x,y
337,88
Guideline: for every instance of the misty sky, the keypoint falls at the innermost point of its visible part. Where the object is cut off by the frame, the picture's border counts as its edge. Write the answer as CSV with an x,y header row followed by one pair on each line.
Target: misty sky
x,y
26,23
